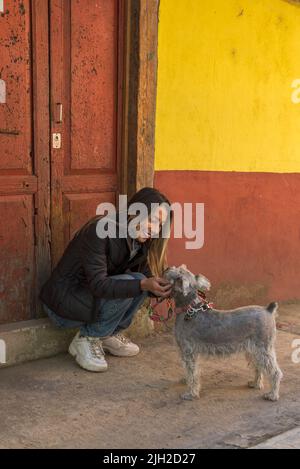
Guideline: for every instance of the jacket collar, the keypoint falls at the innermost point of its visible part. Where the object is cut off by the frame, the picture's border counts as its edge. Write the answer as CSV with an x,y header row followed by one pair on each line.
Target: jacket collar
x,y
145,246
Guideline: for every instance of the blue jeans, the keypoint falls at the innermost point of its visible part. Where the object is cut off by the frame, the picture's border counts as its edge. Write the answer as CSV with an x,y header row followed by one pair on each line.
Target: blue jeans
x,y
113,317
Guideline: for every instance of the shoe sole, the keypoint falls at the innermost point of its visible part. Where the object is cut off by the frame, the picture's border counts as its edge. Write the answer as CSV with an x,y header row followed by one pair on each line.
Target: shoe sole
x,y
96,369
120,354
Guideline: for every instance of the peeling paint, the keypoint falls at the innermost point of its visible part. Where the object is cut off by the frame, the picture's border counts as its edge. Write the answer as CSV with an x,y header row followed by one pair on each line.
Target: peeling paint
x,y
2,92
22,9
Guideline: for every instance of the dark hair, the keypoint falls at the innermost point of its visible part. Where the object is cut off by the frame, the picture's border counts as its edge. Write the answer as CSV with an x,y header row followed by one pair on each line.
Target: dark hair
x,y
148,196
157,258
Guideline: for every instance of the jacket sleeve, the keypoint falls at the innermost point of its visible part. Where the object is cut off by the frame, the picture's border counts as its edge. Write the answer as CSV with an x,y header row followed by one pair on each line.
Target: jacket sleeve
x,y
93,255
147,272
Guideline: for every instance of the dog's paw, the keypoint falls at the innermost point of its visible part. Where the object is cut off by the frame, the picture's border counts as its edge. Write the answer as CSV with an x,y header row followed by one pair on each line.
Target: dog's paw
x,y
270,396
188,396
255,385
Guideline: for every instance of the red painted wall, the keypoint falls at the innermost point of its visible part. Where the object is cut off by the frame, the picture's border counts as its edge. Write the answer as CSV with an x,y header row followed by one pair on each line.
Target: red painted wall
x,y
251,251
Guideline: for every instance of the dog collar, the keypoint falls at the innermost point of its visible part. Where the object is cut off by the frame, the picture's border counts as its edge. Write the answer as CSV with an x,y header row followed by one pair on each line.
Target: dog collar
x,y
192,311
193,308
189,311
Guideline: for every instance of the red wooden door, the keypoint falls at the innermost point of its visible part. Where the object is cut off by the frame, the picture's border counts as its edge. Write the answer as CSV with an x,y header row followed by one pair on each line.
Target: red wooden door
x,y
24,162
46,195
86,80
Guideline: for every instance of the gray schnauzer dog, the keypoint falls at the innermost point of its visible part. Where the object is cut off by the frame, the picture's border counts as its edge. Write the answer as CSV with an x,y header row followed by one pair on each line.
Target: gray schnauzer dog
x,y
204,331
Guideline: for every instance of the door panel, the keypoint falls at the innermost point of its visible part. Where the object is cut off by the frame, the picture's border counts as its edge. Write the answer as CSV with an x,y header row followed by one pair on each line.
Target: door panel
x,y
24,157
93,76
18,184
15,71
17,254
85,102
79,207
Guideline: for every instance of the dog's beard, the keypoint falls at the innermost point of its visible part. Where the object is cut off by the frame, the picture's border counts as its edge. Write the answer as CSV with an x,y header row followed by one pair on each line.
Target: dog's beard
x,y
181,300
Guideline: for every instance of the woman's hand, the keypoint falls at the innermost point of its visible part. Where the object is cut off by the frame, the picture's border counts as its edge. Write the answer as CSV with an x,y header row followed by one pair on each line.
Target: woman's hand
x,y
158,286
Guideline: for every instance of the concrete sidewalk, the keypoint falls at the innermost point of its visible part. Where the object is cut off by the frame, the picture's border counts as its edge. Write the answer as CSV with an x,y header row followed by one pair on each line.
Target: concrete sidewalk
x,y
286,440
52,403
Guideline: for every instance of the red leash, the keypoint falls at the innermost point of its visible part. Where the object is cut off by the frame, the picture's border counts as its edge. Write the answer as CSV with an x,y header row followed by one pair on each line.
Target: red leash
x,y
155,316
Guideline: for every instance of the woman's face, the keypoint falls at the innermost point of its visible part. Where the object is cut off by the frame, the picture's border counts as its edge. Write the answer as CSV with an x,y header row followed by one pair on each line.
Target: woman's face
x,y
152,225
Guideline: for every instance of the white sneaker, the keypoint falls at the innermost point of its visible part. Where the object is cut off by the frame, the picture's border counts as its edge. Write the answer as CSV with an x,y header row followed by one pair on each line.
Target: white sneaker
x,y
88,353
120,346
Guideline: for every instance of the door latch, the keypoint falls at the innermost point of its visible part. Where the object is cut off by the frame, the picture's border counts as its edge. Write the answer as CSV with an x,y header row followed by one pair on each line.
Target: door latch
x,y
56,141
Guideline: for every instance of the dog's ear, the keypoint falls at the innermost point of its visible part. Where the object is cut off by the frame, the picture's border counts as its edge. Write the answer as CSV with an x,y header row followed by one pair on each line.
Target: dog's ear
x,y
202,282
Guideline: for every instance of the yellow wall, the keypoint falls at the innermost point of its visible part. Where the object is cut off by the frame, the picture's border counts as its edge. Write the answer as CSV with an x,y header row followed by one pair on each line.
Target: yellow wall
x,y
224,86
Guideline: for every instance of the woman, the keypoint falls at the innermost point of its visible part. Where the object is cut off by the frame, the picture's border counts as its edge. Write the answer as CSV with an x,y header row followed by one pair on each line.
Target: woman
x,y
100,282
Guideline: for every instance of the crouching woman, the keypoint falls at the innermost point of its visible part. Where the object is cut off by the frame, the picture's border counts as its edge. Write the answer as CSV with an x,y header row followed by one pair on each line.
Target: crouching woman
x,y
100,282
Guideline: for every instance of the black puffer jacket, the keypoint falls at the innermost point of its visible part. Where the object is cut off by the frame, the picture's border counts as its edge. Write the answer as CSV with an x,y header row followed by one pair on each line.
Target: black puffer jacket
x,y
82,276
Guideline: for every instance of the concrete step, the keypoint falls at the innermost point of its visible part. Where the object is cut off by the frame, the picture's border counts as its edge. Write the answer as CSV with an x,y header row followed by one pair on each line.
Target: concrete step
x,y
29,340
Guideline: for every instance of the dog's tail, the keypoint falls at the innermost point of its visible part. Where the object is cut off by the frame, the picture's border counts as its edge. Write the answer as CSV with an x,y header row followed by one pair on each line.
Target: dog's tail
x,y
272,307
